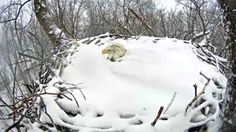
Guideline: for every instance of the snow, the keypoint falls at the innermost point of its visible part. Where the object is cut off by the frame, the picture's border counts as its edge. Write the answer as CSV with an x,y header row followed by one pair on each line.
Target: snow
x,y
126,95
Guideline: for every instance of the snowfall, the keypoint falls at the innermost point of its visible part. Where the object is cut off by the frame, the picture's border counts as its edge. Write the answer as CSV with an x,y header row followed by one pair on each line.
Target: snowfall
x,y
126,95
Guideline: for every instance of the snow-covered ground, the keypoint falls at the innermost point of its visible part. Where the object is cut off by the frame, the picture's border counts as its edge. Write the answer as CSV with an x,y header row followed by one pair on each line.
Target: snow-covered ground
x,y
125,95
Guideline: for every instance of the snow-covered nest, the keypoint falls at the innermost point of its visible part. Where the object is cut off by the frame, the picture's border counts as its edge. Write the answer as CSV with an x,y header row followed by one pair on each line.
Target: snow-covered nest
x,y
125,95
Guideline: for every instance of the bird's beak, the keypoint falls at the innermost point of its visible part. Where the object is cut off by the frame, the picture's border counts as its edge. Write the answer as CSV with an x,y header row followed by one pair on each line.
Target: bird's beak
x,y
105,51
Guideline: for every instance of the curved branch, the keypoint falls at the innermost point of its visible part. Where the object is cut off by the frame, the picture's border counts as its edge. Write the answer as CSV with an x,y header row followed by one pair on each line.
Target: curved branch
x,y
18,12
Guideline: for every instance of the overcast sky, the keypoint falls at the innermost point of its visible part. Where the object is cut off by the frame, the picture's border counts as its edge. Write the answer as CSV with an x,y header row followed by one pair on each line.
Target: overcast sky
x,y
165,3
168,4
3,2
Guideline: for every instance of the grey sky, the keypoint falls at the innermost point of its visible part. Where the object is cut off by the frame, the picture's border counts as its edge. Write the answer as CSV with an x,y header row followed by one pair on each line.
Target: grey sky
x,y
168,4
3,2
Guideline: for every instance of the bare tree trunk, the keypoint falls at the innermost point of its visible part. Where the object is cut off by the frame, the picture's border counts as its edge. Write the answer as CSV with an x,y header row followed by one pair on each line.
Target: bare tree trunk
x,y
56,35
229,7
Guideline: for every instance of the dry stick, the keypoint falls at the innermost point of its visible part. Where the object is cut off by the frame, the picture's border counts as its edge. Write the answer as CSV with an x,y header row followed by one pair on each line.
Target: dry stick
x,y
74,99
45,111
201,93
40,94
142,19
195,90
5,104
210,62
207,78
158,116
25,101
119,25
29,56
32,98
4,119
210,55
199,36
15,124
74,86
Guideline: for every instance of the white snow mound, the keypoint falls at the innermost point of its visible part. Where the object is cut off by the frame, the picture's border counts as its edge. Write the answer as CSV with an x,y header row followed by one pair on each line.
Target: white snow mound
x,y
125,95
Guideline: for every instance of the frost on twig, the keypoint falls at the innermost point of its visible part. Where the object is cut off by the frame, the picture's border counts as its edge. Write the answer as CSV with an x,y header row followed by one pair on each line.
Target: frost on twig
x,y
204,107
36,107
39,106
205,55
202,92
172,100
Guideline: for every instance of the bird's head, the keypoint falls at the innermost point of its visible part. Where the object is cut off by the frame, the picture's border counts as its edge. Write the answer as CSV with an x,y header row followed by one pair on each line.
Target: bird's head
x,y
106,51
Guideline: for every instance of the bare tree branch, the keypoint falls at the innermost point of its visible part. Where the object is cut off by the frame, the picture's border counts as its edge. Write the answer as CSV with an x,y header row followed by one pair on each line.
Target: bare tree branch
x,y
18,12
142,19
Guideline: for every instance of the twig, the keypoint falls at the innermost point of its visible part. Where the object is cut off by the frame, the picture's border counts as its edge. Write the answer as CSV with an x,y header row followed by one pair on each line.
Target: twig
x,y
22,103
5,103
14,87
142,19
171,101
210,56
158,116
45,110
207,78
73,86
201,93
195,90
15,124
74,99
82,94
19,62
200,35
212,62
18,12
29,56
